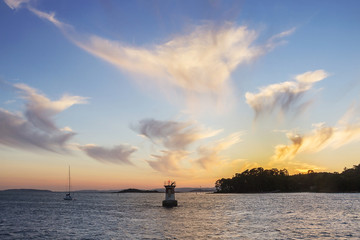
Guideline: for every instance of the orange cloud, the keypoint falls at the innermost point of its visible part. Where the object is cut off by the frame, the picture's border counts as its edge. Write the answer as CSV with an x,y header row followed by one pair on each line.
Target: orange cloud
x,y
347,130
210,153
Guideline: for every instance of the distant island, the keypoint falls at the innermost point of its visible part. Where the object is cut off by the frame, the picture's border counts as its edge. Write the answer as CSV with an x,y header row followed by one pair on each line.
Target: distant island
x,y
200,190
25,190
134,190
259,180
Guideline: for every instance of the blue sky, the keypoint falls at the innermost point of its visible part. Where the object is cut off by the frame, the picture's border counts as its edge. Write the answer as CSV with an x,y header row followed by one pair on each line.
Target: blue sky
x,y
135,92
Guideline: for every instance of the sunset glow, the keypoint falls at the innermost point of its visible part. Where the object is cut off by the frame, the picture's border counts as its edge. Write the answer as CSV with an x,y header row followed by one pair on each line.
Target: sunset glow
x,y
132,93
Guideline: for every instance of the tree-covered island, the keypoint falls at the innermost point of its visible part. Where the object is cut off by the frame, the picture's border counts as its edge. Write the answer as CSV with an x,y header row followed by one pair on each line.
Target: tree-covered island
x,y
259,180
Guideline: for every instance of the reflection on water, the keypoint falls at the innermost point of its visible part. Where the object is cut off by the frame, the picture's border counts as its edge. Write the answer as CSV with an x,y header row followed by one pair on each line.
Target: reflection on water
x,y
198,216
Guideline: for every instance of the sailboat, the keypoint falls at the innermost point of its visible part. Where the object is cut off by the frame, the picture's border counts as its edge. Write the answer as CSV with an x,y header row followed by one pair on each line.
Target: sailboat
x,y
68,196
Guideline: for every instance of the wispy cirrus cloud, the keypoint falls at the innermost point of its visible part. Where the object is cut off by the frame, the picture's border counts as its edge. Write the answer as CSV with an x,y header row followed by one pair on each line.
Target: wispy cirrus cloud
x,y
198,63
181,162
36,128
284,96
210,154
40,110
177,137
315,141
119,154
51,18
346,131
14,4
173,135
168,161
278,38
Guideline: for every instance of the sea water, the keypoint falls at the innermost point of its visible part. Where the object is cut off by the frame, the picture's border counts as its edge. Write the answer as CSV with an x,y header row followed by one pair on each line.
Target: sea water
x,y
198,216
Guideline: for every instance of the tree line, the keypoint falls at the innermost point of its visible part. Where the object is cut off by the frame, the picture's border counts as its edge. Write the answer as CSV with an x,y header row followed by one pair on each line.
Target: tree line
x,y
258,180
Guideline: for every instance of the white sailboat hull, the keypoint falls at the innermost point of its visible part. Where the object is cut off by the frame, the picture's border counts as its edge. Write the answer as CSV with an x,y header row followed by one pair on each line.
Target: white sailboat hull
x,y
67,197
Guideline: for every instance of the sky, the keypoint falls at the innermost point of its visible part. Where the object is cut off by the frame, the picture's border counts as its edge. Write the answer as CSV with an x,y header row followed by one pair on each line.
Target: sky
x,y
133,93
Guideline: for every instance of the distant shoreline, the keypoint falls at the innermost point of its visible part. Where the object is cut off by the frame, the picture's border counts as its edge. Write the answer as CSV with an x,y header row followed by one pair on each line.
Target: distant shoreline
x,y
25,190
133,190
128,190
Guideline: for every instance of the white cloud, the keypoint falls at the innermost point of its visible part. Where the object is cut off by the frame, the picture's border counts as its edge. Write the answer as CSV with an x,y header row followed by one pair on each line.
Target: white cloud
x,y
176,137
169,161
36,129
348,127
40,110
277,39
285,95
17,132
14,4
199,63
172,134
180,162
119,154
49,17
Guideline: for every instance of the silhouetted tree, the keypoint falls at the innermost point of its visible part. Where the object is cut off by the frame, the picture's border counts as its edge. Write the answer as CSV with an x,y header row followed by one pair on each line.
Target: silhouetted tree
x,y
273,180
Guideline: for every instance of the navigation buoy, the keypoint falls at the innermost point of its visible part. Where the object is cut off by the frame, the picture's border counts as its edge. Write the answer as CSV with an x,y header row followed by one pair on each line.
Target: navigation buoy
x,y
169,194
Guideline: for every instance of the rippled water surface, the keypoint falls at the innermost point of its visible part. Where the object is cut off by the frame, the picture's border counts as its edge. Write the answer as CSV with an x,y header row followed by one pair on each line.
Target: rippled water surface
x,y
198,216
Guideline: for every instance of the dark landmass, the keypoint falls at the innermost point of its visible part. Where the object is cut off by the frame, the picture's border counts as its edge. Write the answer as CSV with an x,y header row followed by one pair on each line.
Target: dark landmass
x,y
259,180
188,189
133,190
93,191
202,190
24,190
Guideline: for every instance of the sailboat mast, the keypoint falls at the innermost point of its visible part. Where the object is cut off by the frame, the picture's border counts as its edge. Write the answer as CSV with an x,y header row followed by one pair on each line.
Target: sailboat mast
x,y
68,196
69,179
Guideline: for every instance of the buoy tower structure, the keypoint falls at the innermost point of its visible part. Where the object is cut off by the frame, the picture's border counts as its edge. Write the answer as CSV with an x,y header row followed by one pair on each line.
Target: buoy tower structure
x,y
169,194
